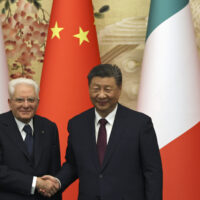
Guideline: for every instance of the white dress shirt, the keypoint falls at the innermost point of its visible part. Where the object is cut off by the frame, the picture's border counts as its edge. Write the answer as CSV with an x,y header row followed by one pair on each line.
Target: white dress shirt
x,y
110,119
23,134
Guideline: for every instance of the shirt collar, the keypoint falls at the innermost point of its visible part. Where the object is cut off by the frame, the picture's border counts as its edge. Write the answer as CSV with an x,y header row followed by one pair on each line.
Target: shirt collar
x,y
110,117
21,124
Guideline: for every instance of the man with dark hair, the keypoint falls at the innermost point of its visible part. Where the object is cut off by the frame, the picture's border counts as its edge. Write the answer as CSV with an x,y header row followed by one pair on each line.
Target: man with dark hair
x,y
106,70
112,149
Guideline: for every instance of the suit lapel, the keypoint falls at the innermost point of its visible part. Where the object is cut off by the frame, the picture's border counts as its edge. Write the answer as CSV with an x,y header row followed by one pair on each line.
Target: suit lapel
x,y
114,140
92,137
14,133
115,136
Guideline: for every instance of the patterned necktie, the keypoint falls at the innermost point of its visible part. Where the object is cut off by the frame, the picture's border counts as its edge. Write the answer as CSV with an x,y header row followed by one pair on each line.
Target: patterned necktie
x,y
29,138
102,140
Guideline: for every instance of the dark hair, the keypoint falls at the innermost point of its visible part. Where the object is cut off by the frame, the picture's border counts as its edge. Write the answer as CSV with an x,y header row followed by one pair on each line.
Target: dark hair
x,y
106,70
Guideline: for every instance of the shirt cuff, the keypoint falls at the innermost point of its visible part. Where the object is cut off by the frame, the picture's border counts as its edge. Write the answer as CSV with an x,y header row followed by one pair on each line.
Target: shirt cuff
x,y
58,182
33,185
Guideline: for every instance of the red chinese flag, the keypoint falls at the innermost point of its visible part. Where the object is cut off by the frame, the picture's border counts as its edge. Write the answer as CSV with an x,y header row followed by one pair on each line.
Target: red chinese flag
x,y
71,52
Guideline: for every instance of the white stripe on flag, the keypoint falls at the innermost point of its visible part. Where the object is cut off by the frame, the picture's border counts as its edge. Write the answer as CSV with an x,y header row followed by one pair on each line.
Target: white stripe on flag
x,y
170,83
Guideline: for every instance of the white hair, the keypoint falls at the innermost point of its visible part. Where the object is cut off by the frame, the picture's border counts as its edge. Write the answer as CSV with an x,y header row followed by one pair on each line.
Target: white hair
x,y
12,84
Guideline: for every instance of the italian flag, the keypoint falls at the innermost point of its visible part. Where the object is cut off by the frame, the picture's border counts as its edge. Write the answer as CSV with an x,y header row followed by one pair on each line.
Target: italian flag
x,y
170,94
3,76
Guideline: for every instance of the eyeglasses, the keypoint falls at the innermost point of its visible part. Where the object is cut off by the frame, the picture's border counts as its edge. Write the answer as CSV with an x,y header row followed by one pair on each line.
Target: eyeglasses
x,y
22,100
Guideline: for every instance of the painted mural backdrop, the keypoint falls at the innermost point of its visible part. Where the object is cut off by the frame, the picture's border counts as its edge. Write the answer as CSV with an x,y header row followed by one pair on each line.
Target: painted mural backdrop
x,y
25,26
121,28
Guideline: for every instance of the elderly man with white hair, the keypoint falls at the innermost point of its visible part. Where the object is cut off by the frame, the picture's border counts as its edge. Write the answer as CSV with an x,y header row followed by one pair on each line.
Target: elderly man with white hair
x,y
29,145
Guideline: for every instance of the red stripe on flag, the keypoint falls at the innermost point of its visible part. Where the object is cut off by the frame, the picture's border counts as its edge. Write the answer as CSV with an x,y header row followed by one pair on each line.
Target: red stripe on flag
x,y
181,166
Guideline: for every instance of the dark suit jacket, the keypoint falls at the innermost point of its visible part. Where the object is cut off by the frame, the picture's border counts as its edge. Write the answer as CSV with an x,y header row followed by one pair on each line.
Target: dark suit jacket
x,y
16,168
131,168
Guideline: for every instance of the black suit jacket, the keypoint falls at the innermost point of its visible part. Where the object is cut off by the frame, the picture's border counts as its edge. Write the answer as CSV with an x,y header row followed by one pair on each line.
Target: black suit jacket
x,y
131,168
16,167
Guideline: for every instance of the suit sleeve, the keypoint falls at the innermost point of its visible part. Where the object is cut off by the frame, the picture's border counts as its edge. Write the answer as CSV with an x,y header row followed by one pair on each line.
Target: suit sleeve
x,y
68,173
151,162
14,181
55,164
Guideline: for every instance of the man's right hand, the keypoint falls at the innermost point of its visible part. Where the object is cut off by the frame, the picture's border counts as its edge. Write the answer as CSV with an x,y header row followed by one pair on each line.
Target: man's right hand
x,y
47,185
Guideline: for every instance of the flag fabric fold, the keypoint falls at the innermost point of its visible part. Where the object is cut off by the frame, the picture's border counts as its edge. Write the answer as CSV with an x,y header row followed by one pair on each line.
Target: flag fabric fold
x,y
71,52
3,76
170,94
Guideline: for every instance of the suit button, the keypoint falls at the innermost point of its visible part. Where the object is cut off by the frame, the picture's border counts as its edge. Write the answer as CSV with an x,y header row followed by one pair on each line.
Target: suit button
x,y
98,198
100,175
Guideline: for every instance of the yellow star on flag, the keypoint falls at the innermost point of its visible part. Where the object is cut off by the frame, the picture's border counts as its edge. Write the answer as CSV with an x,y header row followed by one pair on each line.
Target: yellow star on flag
x,y
82,36
56,31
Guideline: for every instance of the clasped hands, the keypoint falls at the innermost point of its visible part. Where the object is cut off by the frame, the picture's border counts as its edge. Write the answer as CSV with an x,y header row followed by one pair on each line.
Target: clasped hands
x,y
47,185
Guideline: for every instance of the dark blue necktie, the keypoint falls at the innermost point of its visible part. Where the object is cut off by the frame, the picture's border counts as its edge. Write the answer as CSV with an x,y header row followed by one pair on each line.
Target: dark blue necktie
x,y
102,140
29,138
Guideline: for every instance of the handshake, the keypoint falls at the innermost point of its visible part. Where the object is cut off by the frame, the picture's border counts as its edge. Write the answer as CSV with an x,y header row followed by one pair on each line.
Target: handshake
x,y
47,185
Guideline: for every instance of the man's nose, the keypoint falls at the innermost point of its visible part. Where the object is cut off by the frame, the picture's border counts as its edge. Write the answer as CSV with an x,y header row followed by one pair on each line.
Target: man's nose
x,y
25,103
102,94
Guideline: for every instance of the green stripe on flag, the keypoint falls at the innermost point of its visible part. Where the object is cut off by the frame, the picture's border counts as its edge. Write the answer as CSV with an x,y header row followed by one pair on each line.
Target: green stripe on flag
x,y
160,10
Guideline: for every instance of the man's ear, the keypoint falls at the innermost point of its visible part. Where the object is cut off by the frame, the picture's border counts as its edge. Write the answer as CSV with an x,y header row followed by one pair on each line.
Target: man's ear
x,y
120,87
9,103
